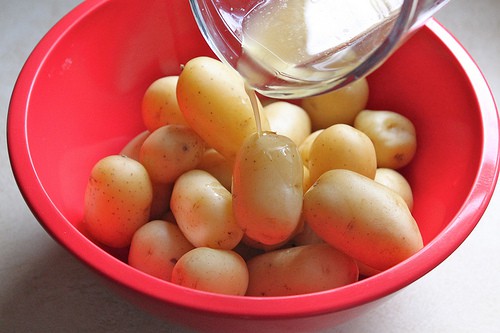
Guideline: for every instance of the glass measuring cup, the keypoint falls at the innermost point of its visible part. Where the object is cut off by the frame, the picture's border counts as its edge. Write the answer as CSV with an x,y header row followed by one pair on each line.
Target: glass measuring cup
x,y
297,48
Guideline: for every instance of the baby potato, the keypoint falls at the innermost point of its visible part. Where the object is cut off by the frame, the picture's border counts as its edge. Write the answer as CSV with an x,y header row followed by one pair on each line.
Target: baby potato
x,y
306,237
161,200
365,270
218,166
362,218
212,270
159,104
306,182
305,146
342,147
263,247
156,247
289,120
337,107
267,188
170,151
203,210
117,201
247,251
396,182
214,102
133,147
392,134
300,270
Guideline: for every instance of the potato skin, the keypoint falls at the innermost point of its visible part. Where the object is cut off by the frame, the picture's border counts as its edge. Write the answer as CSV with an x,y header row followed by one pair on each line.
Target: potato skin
x,y
118,200
396,182
300,270
159,104
337,107
362,218
289,120
156,247
218,166
342,146
212,270
305,146
170,151
215,104
268,188
133,147
203,209
393,136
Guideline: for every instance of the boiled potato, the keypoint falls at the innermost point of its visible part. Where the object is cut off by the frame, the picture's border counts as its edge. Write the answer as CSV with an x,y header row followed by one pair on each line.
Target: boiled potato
x,y
305,146
337,107
306,183
117,201
218,166
263,247
306,237
392,134
212,270
133,147
203,210
342,147
396,182
365,270
170,151
247,251
289,120
161,200
156,247
362,218
159,104
214,102
300,270
267,188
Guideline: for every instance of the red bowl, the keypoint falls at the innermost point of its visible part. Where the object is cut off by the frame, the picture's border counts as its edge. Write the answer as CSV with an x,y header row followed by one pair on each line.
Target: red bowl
x,y
78,99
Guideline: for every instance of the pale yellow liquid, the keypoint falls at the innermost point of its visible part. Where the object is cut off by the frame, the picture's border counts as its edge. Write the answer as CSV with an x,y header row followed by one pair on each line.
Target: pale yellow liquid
x,y
291,48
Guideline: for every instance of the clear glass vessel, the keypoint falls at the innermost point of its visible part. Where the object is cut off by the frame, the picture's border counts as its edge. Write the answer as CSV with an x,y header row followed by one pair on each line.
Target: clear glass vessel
x,y
297,48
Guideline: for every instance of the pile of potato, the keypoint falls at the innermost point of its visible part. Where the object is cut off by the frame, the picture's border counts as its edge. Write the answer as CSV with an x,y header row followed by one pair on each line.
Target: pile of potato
x,y
307,201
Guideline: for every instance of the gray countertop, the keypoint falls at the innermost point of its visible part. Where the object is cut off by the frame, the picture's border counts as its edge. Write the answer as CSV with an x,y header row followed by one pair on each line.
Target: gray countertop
x,y
45,289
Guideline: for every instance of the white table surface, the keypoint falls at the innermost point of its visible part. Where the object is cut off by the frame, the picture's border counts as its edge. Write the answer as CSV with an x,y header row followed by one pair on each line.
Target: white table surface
x,y
45,289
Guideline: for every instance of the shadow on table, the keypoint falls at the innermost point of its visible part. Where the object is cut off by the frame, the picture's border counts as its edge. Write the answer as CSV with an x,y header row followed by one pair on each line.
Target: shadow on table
x,y
57,293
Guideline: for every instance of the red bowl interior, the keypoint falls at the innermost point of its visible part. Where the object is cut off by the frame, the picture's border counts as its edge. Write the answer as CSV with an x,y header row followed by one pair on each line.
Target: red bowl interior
x,y
78,99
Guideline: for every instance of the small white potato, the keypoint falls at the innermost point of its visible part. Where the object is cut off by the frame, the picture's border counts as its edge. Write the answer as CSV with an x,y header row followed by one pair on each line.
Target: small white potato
x,y
362,218
338,106
170,151
300,270
392,134
307,237
159,104
267,188
246,251
218,166
289,120
306,183
133,147
212,270
160,205
117,201
263,247
396,182
214,102
305,147
342,147
156,247
203,209
365,270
